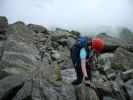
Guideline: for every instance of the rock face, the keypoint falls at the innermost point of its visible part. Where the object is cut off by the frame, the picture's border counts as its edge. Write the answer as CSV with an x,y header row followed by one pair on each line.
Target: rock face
x,y
19,56
122,59
126,35
3,27
35,64
3,24
112,43
37,28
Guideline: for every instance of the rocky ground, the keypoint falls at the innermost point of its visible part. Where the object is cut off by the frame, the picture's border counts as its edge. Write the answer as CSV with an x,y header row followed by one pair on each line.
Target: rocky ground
x,y
35,64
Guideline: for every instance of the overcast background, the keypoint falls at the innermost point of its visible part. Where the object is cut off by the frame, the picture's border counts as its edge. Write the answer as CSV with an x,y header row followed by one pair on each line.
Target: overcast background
x,y
81,15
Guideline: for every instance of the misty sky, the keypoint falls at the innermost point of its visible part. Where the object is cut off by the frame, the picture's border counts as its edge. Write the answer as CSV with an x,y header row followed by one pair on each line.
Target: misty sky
x,y
72,14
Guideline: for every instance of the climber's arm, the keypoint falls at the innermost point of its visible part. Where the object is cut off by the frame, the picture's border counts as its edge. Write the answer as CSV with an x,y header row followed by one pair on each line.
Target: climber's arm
x,y
83,55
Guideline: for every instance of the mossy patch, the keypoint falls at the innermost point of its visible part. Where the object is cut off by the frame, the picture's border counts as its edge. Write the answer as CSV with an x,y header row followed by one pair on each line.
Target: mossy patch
x,y
12,68
56,72
119,67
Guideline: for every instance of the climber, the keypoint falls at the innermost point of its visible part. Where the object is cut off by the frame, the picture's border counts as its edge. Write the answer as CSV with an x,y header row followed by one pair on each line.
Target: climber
x,y
83,52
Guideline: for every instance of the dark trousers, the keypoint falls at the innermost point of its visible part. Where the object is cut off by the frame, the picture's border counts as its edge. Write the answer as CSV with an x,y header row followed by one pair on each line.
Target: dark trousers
x,y
79,72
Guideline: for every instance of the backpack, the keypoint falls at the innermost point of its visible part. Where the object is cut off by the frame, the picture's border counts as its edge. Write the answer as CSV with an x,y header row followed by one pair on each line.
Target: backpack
x,y
75,54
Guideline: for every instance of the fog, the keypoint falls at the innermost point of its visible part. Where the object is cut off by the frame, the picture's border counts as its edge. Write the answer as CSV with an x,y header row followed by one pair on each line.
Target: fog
x,y
81,15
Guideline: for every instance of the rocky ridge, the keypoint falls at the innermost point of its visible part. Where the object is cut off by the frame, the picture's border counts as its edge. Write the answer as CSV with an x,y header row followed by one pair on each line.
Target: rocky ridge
x,y
36,65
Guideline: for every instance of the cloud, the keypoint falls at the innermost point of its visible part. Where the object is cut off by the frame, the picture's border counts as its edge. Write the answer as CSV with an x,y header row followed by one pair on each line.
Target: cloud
x,y
82,15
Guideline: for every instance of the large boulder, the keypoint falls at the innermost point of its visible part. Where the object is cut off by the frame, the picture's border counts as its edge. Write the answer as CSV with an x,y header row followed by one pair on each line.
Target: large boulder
x,y
23,88
18,54
3,24
65,61
108,98
75,33
126,35
3,28
122,60
10,86
129,88
127,75
14,63
25,92
111,43
68,75
60,35
37,28
105,63
21,33
86,93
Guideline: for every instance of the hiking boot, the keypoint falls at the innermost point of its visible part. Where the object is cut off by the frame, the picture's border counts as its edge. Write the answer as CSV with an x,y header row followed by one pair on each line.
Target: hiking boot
x,y
76,82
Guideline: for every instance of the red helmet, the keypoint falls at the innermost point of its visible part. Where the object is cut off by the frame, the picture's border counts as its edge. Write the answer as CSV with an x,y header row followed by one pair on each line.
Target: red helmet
x,y
97,44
